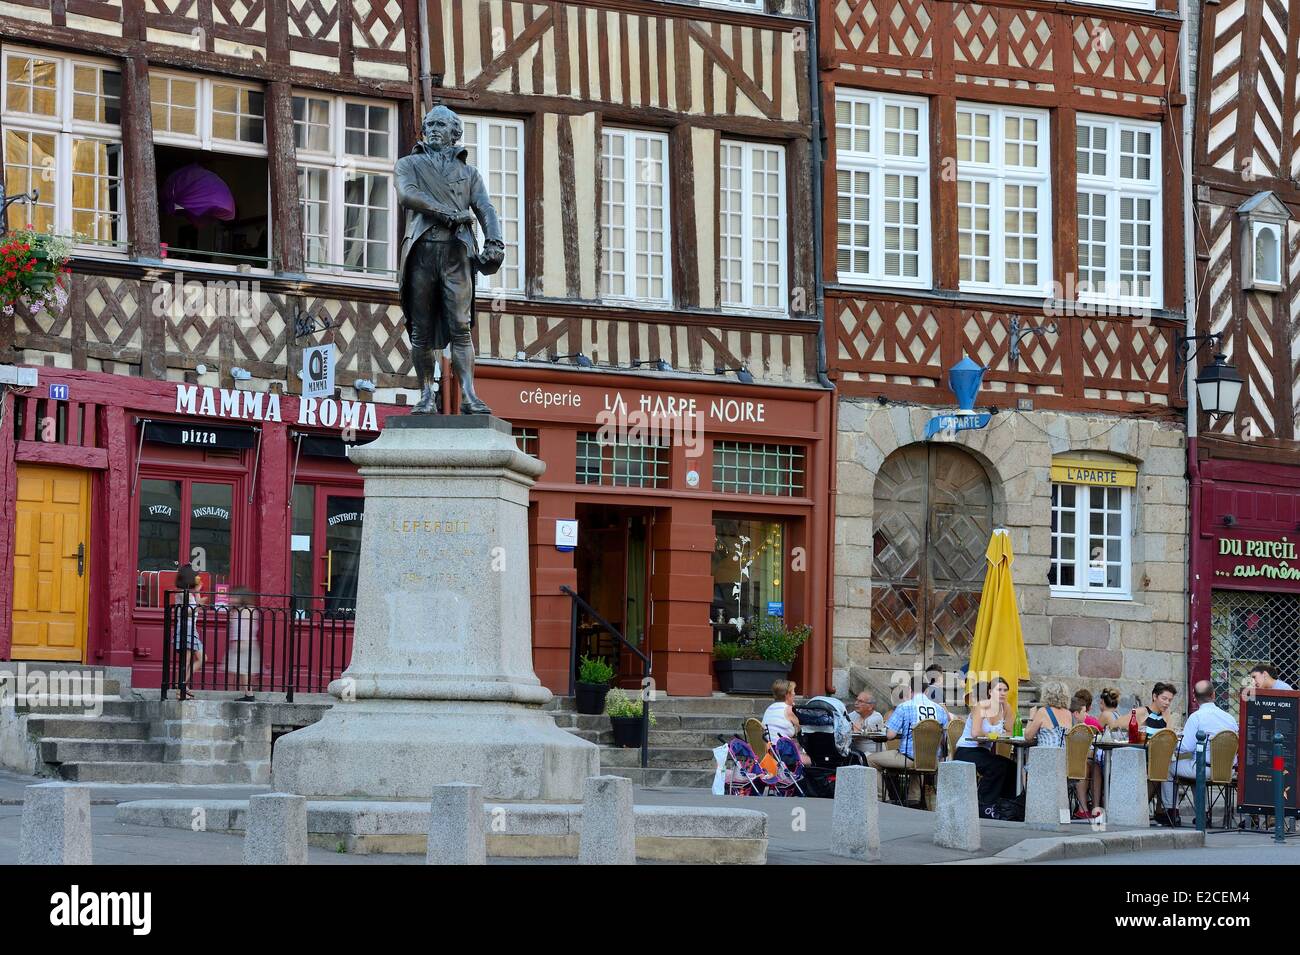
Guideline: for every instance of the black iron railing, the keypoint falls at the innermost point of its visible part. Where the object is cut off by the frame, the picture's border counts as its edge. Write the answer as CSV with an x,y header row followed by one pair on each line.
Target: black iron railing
x,y
647,687
267,643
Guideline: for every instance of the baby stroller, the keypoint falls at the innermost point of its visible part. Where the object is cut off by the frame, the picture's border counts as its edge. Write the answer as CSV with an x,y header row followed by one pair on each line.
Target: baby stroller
x,y
826,733
747,777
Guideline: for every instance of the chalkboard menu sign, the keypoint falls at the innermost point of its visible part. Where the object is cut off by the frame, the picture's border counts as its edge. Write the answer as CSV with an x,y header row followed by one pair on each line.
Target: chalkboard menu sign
x,y
1269,712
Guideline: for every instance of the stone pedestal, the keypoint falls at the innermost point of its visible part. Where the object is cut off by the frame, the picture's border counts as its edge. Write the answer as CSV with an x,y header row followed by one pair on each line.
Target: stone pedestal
x,y
855,816
441,685
1047,802
957,810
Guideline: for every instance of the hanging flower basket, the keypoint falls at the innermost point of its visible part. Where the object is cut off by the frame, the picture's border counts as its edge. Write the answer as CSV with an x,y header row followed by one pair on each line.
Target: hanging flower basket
x,y
33,271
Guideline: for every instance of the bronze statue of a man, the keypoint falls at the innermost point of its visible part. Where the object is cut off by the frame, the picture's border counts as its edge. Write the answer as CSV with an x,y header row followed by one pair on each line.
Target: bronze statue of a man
x,y
442,195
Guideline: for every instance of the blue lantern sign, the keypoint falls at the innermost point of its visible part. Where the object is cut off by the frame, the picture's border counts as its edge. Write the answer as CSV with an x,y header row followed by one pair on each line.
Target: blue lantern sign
x,y
964,378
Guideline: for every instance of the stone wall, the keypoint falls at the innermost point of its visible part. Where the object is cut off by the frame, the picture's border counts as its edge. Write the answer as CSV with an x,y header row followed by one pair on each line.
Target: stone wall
x,y
1085,642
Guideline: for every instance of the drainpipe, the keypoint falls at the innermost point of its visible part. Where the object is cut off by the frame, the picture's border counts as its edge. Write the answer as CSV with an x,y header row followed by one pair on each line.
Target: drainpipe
x,y
1190,305
817,147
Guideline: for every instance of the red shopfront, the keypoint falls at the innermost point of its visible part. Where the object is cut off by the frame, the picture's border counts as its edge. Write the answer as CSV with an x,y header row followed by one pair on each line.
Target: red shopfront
x,y
1246,574
118,481
685,538
702,507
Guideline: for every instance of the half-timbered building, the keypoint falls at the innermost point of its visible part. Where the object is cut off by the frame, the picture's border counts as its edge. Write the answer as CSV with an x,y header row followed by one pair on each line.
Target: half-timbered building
x,y
227,169
1004,183
1245,467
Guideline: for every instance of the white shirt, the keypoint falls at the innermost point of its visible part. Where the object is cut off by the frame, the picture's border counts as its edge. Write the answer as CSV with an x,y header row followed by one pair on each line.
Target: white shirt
x,y
776,722
1281,685
1208,718
875,723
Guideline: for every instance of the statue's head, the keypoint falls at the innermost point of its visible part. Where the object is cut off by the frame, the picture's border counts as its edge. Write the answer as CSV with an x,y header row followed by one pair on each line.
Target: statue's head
x,y
442,127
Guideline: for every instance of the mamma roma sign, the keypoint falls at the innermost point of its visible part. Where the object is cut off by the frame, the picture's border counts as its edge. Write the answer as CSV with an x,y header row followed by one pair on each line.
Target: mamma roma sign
x,y
265,406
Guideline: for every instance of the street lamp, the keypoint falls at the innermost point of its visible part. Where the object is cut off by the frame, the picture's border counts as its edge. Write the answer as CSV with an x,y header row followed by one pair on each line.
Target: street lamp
x,y
743,374
1218,387
965,378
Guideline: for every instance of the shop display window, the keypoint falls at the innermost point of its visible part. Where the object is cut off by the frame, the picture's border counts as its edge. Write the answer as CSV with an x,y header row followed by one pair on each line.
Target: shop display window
x,y
748,571
183,522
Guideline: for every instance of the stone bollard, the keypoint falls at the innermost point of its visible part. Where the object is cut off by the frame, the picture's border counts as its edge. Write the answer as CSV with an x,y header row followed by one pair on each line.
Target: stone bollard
x,y
957,809
275,830
608,835
855,817
456,835
56,825
1047,804
1126,802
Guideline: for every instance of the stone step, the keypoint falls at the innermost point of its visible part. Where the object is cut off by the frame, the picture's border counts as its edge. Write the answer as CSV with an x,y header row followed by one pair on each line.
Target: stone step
x,y
698,739
740,706
663,757
107,706
100,751
705,723
86,727
689,778
189,773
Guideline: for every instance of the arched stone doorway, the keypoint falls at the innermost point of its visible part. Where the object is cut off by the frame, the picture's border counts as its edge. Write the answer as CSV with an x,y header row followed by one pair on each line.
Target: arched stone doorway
x,y
933,515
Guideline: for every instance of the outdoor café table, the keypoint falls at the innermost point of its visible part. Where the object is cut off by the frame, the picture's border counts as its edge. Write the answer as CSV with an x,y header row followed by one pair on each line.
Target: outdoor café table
x,y
869,742
1020,745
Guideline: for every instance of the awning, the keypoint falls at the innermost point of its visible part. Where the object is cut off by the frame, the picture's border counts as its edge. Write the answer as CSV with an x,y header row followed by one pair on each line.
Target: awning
x,y
200,435
326,446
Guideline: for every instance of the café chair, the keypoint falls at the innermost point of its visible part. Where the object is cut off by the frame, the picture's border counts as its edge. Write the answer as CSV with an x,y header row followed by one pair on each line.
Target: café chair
x,y
956,728
1161,747
926,736
1221,775
1078,748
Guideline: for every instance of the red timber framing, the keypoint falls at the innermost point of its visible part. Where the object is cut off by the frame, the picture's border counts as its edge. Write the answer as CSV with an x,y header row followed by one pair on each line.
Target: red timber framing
x,y
1064,57
1248,142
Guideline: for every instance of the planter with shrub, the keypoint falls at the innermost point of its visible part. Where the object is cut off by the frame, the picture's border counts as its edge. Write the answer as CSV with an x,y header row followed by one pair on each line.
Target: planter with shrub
x,y
625,718
594,676
751,665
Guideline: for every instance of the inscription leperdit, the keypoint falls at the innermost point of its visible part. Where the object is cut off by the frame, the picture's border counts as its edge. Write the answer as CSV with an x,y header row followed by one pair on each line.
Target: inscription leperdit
x,y
426,526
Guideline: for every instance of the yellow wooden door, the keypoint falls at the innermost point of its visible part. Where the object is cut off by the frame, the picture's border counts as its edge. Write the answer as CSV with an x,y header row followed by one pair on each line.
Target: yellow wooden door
x,y
51,570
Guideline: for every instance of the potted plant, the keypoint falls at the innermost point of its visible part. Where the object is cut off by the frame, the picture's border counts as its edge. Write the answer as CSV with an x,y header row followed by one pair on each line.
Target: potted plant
x,y
625,717
593,683
751,666
33,271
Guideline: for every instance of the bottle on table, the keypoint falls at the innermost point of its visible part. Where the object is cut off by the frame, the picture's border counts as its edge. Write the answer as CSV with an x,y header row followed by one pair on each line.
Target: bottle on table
x,y
1134,731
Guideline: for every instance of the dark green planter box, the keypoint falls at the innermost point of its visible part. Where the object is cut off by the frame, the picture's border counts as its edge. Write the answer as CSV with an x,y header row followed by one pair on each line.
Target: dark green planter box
x,y
749,677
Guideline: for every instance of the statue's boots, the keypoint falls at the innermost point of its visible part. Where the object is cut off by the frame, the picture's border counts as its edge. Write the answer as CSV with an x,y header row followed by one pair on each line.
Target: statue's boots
x,y
425,364
462,360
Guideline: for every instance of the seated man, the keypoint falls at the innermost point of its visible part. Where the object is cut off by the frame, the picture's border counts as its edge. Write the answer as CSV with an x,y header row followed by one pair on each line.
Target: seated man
x,y
1208,718
866,718
915,708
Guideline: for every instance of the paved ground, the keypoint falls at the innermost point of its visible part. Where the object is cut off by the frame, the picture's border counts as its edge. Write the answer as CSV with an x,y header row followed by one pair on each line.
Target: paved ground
x,y
1221,848
799,830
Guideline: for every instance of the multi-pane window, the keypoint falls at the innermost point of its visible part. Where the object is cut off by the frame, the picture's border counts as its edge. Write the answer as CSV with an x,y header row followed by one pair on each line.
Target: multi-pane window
x,y
882,175
752,220
1003,199
204,113
527,439
1090,540
62,137
1119,211
346,152
621,464
634,216
496,149
743,468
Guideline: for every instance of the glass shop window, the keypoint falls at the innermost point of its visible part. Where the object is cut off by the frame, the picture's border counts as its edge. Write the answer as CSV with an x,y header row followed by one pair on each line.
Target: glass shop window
x,y
183,522
748,570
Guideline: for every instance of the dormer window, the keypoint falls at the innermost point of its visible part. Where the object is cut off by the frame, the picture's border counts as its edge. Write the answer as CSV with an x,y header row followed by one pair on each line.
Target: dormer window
x,y
1263,220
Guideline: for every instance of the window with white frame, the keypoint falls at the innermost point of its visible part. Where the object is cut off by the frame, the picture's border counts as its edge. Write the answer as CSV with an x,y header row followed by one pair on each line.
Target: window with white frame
x,y
62,137
634,216
882,163
346,150
1123,4
752,220
1003,200
1091,535
1119,214
496,150
213,176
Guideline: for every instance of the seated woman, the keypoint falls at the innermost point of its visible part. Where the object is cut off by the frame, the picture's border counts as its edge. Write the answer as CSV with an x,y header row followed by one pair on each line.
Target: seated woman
x,y
779,719
990,714
1108,710
1051,721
